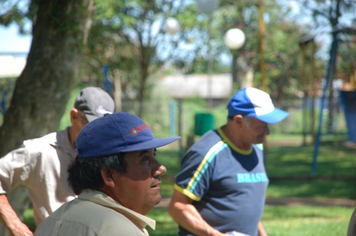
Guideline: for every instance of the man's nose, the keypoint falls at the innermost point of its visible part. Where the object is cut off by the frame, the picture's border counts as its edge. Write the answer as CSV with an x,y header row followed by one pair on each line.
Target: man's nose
x,y
161,170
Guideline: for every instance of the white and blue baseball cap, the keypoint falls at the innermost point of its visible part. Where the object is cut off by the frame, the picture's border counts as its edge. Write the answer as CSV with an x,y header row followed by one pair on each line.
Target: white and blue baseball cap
x,y
255,103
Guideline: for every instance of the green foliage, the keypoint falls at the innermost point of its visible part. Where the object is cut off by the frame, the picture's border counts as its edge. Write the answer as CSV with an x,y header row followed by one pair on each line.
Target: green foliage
x,y
346,62
17,12
128,37
29,220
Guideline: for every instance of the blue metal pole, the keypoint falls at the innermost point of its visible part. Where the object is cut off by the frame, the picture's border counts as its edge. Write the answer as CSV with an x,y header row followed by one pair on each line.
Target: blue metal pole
x,y
107,83
180,127
317,139
172,129
3,103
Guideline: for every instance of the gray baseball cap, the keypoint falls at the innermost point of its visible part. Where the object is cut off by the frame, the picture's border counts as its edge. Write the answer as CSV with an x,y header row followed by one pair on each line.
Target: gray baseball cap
x,y
94,102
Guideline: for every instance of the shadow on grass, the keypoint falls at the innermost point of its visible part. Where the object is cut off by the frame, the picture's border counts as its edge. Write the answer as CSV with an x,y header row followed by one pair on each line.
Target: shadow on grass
x,y
290,172
314,188
332,161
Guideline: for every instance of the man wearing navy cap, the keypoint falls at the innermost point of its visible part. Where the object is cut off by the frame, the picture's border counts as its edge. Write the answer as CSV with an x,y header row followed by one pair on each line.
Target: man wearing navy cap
x,y
221,187
116,177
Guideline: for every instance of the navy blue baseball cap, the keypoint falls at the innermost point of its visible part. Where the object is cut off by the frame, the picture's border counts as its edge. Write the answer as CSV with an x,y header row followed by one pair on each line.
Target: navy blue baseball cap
x,y
115,133
255,103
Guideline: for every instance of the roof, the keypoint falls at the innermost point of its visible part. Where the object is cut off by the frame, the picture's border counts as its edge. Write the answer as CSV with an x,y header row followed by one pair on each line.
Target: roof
x,y
190,86
11,66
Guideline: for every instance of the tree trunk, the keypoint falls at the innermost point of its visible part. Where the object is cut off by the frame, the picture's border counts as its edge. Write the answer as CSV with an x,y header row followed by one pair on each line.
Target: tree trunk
x,y
330,123
118,90
234,70
334,23
44,87
145,61
141,95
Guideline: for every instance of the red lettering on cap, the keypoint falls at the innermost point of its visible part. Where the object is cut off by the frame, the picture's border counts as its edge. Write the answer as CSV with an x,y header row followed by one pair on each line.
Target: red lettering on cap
x,y
138,129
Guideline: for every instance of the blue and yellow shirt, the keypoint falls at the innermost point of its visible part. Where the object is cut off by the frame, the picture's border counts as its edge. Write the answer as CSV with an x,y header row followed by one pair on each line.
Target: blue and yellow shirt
x,y
227,184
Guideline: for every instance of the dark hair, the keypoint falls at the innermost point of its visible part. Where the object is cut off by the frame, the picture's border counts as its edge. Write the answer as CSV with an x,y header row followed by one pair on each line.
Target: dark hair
x,y
85,172
230,118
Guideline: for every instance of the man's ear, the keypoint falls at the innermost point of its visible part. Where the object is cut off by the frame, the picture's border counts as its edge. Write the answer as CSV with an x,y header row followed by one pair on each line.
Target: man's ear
x,y
238,120
74,115
107,178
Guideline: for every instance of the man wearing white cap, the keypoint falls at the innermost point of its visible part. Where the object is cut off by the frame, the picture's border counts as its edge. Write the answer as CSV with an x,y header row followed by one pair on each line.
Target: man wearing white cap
x,y
41,164
220,189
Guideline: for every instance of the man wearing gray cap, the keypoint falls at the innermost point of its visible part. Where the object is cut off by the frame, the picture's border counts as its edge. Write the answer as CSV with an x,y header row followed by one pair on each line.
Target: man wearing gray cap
x,y
41,164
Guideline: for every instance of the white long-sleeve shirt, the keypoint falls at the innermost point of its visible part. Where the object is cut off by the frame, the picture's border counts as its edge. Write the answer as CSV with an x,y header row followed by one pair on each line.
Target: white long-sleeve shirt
x,y
40,165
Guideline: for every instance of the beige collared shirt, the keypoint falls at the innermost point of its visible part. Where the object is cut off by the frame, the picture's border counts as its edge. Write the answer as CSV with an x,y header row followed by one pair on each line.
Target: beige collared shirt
x,y
41,166
95,213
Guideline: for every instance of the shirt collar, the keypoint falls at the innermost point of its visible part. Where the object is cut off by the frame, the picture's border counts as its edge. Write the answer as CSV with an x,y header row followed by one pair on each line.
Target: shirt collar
x,y
232,145
101,198
62,140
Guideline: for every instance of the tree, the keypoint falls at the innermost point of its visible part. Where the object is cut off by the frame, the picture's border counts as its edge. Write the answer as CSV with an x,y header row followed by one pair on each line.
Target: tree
x,y
60,29
130,38
282,45
128,32
328,17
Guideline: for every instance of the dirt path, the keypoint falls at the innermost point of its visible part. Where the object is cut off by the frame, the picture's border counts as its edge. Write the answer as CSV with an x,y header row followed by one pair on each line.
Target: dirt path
x,y
293,201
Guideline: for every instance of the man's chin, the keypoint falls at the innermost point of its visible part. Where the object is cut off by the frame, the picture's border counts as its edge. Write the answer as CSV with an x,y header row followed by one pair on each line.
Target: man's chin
x,y
159,198
260,141
156,199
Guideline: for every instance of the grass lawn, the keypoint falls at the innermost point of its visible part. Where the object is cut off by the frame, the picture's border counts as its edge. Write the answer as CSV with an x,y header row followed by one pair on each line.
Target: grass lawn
x,y
279,221
289,170
306,220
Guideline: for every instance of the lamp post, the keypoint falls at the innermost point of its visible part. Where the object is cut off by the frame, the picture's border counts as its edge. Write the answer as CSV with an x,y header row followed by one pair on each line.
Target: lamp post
x,y
234,39
208,7
171,26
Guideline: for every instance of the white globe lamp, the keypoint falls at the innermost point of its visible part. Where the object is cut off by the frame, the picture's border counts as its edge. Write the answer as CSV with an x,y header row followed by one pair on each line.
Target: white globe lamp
x,y
171,26
234,38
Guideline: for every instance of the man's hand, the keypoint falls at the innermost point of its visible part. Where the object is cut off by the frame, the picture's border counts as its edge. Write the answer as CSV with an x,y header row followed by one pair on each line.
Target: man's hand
x,y
261,230
20,229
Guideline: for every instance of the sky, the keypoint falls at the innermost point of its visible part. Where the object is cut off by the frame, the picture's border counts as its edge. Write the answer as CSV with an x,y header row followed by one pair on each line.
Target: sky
x,y
14,48
11,41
